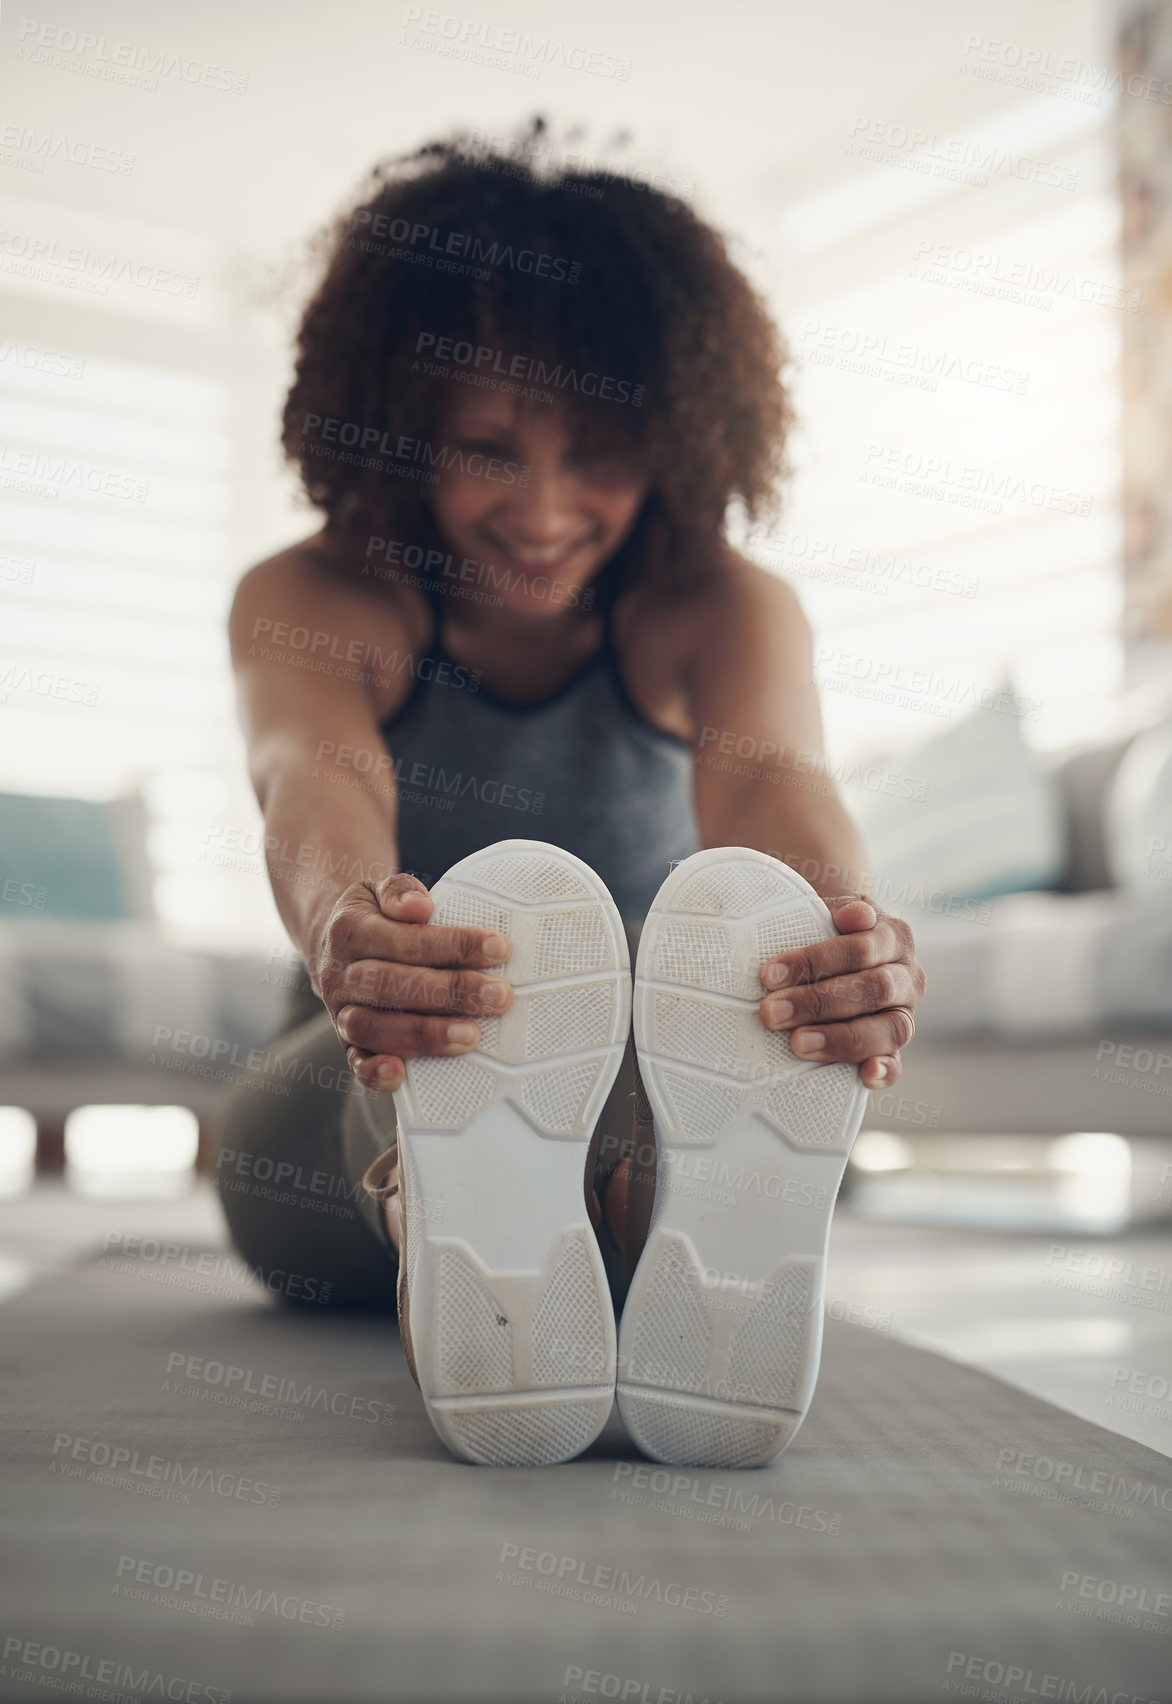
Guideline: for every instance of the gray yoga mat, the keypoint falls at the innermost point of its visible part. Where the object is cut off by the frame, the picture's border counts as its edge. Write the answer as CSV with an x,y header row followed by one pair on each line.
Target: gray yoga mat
x,y
283,1525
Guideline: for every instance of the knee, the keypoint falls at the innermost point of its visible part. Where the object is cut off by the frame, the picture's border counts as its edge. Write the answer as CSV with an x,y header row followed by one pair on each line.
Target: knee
x,y
250,1133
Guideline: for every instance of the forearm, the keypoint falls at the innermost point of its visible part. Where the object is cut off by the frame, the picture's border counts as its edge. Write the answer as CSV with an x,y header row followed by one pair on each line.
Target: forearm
x,y
799,819
326,827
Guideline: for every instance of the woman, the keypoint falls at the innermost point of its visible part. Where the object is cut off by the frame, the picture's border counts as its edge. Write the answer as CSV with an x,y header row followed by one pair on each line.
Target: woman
x,y
523,405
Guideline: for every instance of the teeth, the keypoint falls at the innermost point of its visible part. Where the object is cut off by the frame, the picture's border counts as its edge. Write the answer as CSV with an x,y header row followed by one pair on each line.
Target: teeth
x,y
547,553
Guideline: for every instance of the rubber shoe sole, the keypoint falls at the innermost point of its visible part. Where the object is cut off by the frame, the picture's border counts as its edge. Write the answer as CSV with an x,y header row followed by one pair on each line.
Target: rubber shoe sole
x,y
722,1330
511,1320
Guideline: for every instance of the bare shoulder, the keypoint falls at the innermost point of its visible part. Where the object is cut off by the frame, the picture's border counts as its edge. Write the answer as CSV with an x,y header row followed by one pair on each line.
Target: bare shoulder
x,y
307,595
306,613
741,609
744,600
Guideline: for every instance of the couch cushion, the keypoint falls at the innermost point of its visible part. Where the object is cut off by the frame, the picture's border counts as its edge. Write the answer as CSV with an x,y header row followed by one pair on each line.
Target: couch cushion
x,y
1049,964
75,858
1137,822
981,818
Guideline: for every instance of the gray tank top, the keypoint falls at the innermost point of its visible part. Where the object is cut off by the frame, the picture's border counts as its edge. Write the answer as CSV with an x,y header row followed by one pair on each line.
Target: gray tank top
x,y
582,769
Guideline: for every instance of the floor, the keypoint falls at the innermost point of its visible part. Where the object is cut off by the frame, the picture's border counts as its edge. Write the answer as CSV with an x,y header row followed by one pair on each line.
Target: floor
x,y
1081,1323
928,1528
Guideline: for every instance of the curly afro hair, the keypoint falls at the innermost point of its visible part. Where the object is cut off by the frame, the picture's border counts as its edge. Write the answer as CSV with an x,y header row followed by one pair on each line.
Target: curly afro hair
x,y
615,293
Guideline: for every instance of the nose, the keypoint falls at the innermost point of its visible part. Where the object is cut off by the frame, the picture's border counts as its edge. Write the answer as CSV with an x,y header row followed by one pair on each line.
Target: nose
x,y
546,508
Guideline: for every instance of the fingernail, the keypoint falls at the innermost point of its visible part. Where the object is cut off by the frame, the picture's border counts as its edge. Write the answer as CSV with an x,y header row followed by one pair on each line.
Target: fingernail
x,y
809,1041
494,994
463,1035
779,1010
880,1073
776,975
496,948
388,1075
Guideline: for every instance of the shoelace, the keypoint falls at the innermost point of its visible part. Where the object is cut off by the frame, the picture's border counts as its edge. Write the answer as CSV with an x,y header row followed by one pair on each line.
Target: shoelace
x,y
375,1179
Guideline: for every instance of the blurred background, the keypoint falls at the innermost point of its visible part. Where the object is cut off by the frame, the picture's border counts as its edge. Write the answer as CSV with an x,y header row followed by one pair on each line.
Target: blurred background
x,y
962,216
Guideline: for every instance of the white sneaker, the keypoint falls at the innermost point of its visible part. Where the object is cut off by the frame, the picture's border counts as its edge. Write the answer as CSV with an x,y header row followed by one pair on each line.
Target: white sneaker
x,y
722,1329
512,1332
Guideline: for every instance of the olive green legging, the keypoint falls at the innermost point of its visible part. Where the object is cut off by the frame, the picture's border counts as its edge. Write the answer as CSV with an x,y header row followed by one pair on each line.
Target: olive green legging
x,y
296,1136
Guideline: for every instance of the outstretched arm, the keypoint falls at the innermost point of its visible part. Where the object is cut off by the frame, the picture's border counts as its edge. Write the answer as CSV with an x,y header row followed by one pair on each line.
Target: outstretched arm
x,y
761,780
395,984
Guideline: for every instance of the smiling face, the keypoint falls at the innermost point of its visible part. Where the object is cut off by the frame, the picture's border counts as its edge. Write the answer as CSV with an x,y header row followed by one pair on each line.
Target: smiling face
x,y
551,536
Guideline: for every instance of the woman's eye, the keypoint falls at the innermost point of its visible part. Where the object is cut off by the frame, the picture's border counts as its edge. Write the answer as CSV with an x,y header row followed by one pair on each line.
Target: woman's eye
x,y
600,470
484,446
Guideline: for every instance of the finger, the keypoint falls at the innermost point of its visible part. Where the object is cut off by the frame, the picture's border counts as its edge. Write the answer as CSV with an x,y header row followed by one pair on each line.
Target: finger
x,y
839,997
374,1071
411,988
404,898
838,956
412,905
850,912
877,1036
881,1073
405,1035
433,944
